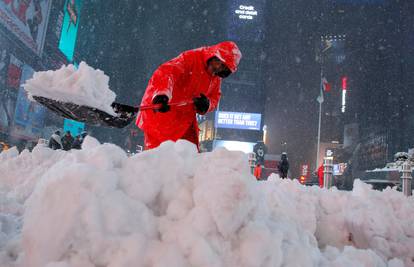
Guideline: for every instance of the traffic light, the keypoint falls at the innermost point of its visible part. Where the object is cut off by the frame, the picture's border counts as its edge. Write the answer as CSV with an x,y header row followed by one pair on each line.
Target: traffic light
x,y
344,89
344,83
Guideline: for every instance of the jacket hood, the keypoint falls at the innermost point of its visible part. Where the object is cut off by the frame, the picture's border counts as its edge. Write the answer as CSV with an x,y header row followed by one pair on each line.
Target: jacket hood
x,y
228,52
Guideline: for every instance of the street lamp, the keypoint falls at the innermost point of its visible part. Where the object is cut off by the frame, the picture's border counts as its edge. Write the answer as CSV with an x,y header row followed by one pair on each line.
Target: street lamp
x,y
265,134
284,146
320,100
327,41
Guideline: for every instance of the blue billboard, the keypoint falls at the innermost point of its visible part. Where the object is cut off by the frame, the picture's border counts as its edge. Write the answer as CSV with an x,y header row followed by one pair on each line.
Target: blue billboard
x,y
238,120
74,127
28,116
70,27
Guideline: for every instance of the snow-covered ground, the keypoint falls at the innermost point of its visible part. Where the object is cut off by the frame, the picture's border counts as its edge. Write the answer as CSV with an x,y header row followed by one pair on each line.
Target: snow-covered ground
x,y
83,86
174,207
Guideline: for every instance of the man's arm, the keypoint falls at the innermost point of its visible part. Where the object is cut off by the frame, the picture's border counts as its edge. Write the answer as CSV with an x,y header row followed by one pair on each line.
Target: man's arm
x,y
214,95
166,76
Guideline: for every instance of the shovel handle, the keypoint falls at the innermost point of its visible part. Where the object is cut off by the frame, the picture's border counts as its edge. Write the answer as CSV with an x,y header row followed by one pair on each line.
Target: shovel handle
x,y
158,106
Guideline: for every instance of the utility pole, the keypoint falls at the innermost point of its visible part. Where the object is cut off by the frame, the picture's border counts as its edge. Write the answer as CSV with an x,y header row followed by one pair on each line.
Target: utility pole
x,y
320,101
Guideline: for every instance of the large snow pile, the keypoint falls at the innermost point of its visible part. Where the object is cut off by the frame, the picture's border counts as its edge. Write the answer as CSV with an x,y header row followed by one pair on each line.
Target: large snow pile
x,y
174,207
83,86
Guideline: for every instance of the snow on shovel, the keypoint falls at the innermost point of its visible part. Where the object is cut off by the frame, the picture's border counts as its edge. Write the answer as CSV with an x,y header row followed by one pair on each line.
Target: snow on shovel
x,y
124,114
83,94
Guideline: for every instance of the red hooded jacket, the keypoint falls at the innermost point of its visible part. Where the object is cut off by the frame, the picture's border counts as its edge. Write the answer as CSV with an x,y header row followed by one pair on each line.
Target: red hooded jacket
x,y
182,79
258,172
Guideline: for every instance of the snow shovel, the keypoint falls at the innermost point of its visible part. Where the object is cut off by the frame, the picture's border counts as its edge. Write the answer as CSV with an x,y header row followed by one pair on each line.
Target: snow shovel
x,y
124,114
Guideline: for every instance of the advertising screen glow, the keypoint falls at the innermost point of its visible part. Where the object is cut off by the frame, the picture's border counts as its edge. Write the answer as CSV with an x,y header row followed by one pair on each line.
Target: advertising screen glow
x,y
245,147
70,28
27,20
238,120
74,127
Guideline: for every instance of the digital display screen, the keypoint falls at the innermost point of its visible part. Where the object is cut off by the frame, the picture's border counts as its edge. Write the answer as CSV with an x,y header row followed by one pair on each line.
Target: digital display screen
x,y
238,120
29,115
245,147
27,20
74,127
70,27
246,20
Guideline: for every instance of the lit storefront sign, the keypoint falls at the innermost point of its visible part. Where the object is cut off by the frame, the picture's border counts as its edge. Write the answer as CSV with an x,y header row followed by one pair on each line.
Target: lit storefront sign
x,y
245,147
339,169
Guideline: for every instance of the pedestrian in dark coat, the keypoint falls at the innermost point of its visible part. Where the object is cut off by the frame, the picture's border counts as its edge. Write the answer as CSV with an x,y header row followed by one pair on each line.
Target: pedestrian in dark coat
x,y
77,143
67,141
283,166
55,141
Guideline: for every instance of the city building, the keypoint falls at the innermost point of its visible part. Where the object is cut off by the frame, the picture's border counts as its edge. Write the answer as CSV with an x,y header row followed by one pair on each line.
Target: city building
x,y
238,122
30,36
379,76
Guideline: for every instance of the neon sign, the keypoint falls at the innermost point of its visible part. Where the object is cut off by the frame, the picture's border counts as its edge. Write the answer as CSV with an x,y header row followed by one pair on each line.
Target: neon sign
x,y
246,12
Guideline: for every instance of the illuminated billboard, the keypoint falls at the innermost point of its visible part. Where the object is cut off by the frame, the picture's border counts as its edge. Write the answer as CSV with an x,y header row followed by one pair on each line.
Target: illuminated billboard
x,y
74,127
246,20
27,20
339,169
70,27
333,48
238,120
246,12
29,115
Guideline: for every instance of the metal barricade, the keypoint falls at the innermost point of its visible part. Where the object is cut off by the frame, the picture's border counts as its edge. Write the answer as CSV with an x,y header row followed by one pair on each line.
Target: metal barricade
x,y
406,178
327,172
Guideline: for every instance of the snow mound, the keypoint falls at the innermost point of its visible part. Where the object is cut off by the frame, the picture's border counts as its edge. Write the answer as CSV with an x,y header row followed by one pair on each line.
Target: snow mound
x,y
174,207
83,86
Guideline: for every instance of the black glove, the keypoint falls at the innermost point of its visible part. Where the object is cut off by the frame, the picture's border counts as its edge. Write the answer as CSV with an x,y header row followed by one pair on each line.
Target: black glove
x,y
202,104
163,100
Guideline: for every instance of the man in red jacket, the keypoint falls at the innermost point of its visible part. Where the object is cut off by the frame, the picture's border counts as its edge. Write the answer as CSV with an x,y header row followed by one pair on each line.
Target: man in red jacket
x,y
192,79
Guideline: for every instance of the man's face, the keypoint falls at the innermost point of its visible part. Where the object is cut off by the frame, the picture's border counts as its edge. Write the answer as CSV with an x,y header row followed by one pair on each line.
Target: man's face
x,y
217,67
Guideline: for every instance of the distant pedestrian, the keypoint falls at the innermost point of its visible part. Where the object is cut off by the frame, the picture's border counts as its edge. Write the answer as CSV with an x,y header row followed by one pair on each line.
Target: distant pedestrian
x,y
258,171
320,175
67,141
77,143
55,141
283,166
